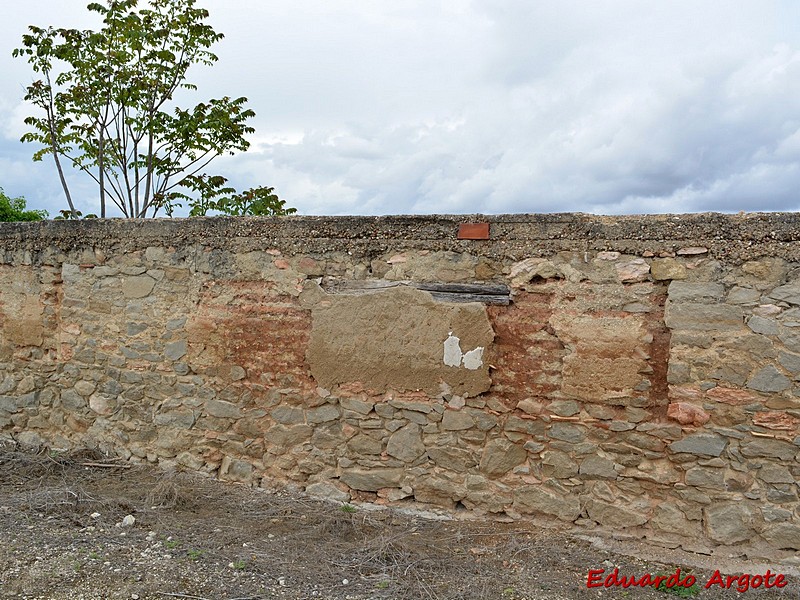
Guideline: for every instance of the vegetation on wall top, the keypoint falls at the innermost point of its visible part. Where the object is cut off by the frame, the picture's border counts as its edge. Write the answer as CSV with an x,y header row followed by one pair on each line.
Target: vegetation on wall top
x,y
105,107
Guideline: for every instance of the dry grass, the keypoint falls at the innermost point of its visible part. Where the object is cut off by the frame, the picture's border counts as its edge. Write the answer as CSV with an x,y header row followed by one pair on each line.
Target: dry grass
x,y
230,541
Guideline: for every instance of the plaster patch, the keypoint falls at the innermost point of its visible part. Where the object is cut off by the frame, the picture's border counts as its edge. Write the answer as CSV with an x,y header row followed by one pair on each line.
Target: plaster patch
x,y
473,359
392,339
452,351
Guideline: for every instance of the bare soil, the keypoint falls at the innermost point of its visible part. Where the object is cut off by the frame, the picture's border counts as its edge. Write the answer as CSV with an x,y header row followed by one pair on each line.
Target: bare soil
x,y
63,538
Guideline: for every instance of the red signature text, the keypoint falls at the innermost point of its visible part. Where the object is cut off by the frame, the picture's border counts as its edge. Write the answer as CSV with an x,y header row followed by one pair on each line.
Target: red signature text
x,y
741,583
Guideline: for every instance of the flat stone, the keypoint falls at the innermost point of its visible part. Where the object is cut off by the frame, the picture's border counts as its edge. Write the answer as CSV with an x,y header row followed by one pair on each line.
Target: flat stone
x,y
9,404
767,310
176,350
787,293
364,444
138,286
438,490
237,373
776,420
564,408
732,396
791,317
682,291
8,384
706,477
288,415
457,420
558,464
190,460
71,400
667,268
423,407
687,414
176,324
621,426
327,491
222,409
537,499
529,426
614,515
286,436
769,379
775,474
182,419
692,251
779,493
633,271
601,412
373,479
636,415
532,269
705,444
790,362
597,467
743,295
567,432
637,307
773,514
668,517
235,470
101,405
729,523
767,448
763,325
661,472
322,414
500,456
406,443
645,441
530,406
414,417
453,459
703,317
783,536
85,388
26,385
360,406
534,447
136,328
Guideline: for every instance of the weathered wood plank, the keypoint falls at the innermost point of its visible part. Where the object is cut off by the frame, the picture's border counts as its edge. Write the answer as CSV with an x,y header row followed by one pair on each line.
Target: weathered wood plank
x,y
464,288
484,298
443,292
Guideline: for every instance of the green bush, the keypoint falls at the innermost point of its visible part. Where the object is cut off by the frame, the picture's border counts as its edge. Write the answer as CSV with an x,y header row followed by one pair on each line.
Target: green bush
x,y
13,209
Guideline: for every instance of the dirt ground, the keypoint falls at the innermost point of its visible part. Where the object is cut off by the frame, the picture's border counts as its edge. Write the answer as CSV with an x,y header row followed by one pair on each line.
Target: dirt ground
x,y
85,527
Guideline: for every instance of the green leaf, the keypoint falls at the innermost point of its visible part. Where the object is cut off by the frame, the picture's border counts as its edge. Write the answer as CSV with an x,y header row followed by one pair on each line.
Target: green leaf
x,y
104,107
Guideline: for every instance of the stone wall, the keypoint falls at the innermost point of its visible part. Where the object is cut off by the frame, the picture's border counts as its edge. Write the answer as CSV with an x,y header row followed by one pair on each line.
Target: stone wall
x,y
628,373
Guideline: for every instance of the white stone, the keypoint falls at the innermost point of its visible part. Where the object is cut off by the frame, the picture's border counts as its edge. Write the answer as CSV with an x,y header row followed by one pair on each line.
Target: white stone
x,y
473,359
452,351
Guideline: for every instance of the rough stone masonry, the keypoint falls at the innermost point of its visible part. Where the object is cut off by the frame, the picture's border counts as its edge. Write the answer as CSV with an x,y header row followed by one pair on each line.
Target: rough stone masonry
x,y
636,373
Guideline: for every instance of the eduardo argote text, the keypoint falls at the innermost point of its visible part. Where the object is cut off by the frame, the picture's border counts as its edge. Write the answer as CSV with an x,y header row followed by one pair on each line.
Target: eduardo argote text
x,y
741,583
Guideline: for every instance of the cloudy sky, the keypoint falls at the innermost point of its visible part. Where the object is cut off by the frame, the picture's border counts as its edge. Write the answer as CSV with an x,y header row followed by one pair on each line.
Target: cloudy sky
x,y
483,106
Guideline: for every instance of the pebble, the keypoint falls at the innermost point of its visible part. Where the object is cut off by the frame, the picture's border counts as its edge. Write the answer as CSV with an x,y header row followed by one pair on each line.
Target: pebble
x,y
128,521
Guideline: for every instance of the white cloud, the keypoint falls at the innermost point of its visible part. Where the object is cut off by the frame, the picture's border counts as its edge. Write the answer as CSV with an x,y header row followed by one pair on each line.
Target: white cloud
x,y
504,105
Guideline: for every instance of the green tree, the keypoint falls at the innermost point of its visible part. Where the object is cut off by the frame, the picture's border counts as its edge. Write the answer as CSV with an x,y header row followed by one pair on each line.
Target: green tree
x,y
13,209
105,104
